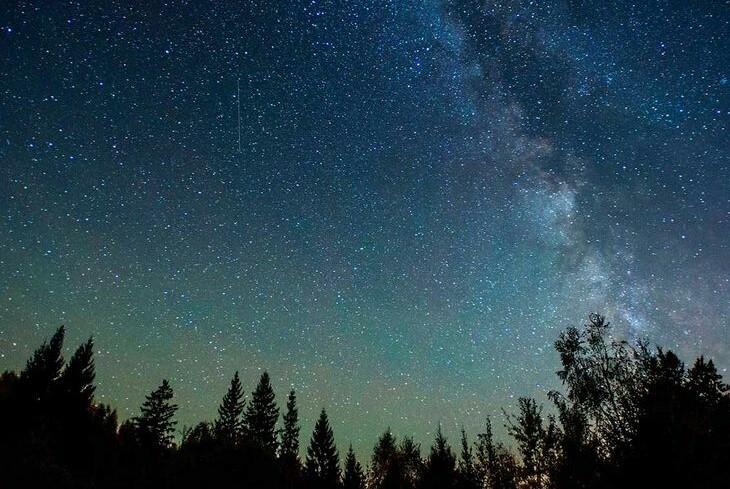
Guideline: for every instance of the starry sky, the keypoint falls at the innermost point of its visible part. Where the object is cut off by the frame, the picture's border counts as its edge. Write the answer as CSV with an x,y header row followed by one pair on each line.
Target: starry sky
x,y
419,196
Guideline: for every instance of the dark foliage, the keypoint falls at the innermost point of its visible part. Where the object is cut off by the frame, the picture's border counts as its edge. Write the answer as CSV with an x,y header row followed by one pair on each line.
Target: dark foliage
x,y
353,477
261,416
536,442
229,425
155,426
629,417
468,477
496,466
289,446
439,471
322,466
395,466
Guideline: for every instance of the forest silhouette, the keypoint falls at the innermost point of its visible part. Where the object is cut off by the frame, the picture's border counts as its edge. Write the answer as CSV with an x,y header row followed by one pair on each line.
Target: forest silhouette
x,y
629,416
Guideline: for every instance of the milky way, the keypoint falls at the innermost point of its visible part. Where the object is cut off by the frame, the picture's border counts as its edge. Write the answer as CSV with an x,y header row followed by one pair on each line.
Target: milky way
x,y
426,194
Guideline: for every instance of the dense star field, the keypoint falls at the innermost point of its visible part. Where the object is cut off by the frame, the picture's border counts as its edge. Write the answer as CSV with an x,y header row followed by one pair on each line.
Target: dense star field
x,y
422,196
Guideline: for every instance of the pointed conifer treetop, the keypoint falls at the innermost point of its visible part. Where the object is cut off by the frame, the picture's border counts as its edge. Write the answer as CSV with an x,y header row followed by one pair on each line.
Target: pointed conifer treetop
x,y
440,466
354,477
290,434
262,414
155,424
229,425
467,470
323,462
43,369
77,379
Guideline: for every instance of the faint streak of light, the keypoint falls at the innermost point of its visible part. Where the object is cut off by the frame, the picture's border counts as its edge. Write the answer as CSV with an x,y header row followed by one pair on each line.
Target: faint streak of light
x,y
238,101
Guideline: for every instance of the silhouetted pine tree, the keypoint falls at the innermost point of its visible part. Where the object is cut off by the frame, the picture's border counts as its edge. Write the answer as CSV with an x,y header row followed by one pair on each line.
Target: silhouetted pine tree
x,y
289,446
409,463
229,425
31,421
261,416
155,426
439,470
74,427
43,369
322,466
353,478
467,474
484,453
395,466
77,379
383,462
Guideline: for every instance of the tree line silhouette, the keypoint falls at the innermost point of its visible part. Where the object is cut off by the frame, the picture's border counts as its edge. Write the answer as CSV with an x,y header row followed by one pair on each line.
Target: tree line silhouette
x,y
629,416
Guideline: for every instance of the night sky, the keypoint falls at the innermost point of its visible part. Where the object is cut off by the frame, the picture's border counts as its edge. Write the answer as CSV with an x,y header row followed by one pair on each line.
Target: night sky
x,y
426,194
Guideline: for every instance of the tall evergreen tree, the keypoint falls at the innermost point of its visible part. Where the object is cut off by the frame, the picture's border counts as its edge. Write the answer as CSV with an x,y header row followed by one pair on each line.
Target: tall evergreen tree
x,y
468,478
322,466
155,425
43,369
77,379
484,453
383,459
289,446
261,415
229,425
409,463
395,466
289,449
440,467
353,478
80,432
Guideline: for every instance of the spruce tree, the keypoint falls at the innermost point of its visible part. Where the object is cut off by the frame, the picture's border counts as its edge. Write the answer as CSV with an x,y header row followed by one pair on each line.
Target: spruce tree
x,y
261,415
43,369
155,426
77,380
409,465
395,466
322,465
484,455
353,478
229,425
468,478
76,424
289,449
289,446
440,466
383,461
